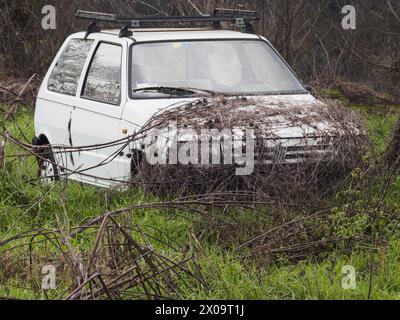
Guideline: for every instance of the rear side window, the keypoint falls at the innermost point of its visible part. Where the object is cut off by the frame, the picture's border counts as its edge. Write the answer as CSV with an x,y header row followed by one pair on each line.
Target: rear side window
x,y
103,81
66,74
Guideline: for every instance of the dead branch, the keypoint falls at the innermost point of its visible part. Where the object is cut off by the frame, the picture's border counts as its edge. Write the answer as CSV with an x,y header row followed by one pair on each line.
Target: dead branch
x,y
303,178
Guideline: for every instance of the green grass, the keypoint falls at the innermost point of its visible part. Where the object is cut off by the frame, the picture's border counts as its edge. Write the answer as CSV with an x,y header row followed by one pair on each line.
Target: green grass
x,y
227,276
231,279
380,120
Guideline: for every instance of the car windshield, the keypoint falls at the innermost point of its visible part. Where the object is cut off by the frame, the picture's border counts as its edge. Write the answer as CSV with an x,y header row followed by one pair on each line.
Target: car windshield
x,y
235,67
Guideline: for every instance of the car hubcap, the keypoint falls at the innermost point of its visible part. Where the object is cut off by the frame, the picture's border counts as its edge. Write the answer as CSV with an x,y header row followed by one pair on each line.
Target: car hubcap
x,y
47,171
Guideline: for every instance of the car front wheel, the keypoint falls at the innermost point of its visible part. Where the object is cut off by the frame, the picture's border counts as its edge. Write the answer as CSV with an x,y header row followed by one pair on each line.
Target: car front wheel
x,y
48,170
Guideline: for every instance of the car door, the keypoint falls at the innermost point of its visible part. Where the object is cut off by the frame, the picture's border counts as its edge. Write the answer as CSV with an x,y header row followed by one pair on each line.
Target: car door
x,y
96,117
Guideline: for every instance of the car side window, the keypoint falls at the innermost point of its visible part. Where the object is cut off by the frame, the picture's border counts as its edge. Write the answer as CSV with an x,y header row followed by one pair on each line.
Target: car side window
x,y
103,80
66,73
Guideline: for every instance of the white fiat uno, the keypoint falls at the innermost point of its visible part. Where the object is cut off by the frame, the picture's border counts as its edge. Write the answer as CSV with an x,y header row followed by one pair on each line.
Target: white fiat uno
x,y
105,85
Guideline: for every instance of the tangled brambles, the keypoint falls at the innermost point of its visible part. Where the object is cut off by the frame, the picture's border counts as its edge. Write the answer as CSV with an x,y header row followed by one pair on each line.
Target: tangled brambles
x,y
274,220
118,263
282,148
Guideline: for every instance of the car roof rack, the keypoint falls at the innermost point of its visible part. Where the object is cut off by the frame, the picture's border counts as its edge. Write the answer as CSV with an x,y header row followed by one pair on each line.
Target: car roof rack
x,y
239,18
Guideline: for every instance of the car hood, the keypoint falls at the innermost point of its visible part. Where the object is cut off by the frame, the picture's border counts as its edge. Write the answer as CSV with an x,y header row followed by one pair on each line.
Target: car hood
x,y
271,117
138,112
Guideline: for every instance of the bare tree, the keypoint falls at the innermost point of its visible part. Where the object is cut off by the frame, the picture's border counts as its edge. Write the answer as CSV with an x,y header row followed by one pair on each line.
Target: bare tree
x,y
307,33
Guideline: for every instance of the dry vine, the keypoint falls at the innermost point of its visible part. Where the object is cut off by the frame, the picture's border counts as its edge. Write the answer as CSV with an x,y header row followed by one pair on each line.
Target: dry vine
x,y
316,160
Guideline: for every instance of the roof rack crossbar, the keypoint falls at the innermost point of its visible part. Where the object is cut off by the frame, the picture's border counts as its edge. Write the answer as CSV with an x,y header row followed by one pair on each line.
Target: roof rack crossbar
x,y
239,18
235,13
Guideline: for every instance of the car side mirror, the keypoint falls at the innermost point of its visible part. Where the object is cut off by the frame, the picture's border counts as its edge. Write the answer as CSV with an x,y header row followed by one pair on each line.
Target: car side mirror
x,y
310,89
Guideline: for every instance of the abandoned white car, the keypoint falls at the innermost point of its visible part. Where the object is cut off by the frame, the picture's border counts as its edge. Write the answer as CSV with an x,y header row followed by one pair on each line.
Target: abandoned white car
x,y
103,86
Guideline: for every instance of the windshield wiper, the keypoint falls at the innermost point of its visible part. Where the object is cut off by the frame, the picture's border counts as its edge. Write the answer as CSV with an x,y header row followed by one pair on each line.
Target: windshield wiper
x,y
174,91
188,91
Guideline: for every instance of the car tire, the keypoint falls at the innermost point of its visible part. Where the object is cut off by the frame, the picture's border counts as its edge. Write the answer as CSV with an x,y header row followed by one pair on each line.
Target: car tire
x,y
137,157
47,169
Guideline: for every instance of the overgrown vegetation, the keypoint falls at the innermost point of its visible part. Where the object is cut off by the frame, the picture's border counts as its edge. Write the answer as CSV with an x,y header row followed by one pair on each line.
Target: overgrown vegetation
x,y
238,253
329,163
